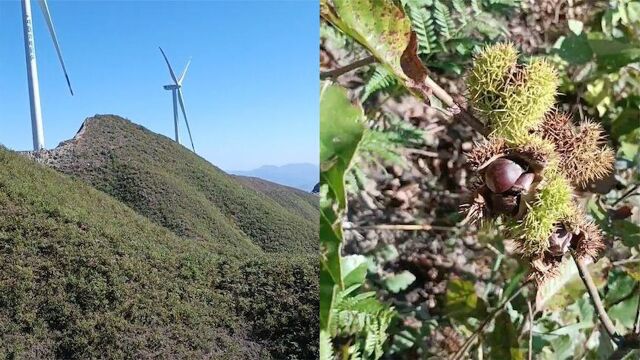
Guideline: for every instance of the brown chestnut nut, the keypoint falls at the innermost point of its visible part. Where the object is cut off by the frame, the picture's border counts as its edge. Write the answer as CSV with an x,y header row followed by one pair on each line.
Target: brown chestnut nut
x,y
504,204
524,182
559,241
502,174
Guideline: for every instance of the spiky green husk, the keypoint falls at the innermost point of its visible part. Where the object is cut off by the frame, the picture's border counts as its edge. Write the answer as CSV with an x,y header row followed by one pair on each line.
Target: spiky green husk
x,y
516,102
554,201
512,97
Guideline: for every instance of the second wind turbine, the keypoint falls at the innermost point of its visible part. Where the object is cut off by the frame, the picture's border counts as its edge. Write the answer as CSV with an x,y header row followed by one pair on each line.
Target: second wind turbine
x,y
176,90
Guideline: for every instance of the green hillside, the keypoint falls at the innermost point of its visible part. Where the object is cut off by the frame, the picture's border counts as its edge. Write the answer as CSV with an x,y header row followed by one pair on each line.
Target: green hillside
x,y
181,191
84,276
295,200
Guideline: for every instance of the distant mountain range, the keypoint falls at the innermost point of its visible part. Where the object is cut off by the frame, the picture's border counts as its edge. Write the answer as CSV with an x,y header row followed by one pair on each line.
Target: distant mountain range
x,y
128,245
303,176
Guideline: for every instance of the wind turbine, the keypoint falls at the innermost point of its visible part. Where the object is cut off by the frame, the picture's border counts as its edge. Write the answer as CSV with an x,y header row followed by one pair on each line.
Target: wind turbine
x,y
32,68
176,90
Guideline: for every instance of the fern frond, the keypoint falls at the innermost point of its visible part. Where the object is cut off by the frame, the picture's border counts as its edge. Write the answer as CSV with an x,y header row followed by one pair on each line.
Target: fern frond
x,y
326,346
423,24
381,79
443,20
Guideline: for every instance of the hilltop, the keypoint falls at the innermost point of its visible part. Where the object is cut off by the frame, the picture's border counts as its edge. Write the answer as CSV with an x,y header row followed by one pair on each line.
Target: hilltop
x,y
184,193
85,276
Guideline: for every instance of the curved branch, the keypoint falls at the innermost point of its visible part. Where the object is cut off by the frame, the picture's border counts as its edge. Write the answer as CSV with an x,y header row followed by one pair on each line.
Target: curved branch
x,y
595,298
345,69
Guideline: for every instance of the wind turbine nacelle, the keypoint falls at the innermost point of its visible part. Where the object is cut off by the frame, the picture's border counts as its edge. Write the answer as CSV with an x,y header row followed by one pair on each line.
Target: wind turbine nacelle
x,y
172,87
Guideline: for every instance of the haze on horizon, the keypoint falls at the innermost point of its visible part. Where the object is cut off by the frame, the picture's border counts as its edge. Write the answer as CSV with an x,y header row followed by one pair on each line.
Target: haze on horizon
x,y
250,92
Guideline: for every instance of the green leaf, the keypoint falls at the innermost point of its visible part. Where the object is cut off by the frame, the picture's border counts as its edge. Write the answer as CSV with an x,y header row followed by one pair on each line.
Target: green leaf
x,y
504,339
623,314
514,283
341,129
383,29
574,49
326,348
398,282
628,231
620,286
328,291
625,123
354,269
462,301
611,55
561,290
379,25
628,150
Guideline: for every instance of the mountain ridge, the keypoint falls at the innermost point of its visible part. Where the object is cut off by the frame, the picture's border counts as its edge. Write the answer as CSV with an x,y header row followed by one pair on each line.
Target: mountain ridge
x,y
129,242
176,188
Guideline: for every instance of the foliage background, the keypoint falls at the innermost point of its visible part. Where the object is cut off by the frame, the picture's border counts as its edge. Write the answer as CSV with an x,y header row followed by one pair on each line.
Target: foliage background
x,y
445,278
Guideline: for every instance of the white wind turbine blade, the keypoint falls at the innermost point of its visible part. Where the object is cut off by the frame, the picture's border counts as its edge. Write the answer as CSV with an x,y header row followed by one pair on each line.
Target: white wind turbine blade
x,y
184,113
173,75
47,16
184,72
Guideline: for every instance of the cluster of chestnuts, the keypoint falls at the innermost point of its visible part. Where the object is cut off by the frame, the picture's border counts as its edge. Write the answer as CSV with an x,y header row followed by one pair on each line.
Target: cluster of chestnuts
x,y
527,170
506,181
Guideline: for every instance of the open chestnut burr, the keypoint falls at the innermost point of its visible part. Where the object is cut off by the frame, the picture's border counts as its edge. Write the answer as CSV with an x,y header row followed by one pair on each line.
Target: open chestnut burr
x,y
505,181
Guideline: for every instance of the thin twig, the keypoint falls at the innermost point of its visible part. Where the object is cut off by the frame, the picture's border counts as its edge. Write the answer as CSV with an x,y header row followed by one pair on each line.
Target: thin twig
x,y
470,340
636,327
457,110
424,153
633,189
595,298
345,69
530,330
625,261
405,227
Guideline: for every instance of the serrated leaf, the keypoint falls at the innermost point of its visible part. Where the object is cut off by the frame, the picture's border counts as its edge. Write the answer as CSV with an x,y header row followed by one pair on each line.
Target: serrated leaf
x,y
400,281
383,29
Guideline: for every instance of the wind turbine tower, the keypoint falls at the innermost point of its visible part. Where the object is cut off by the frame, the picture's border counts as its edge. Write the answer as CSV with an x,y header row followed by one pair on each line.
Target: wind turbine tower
x,y
176,91
32,67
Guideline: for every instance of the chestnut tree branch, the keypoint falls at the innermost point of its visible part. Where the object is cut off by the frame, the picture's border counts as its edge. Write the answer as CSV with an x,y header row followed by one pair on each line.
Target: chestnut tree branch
x,y
345,69
595,298
457,110
636,324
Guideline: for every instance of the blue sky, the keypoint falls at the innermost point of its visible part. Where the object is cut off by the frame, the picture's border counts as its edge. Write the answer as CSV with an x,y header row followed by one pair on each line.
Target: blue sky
x,y
251,91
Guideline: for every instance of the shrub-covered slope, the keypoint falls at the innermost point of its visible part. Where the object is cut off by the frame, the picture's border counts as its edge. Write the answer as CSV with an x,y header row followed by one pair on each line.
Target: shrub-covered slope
x,y
84,276
181,191
295,200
